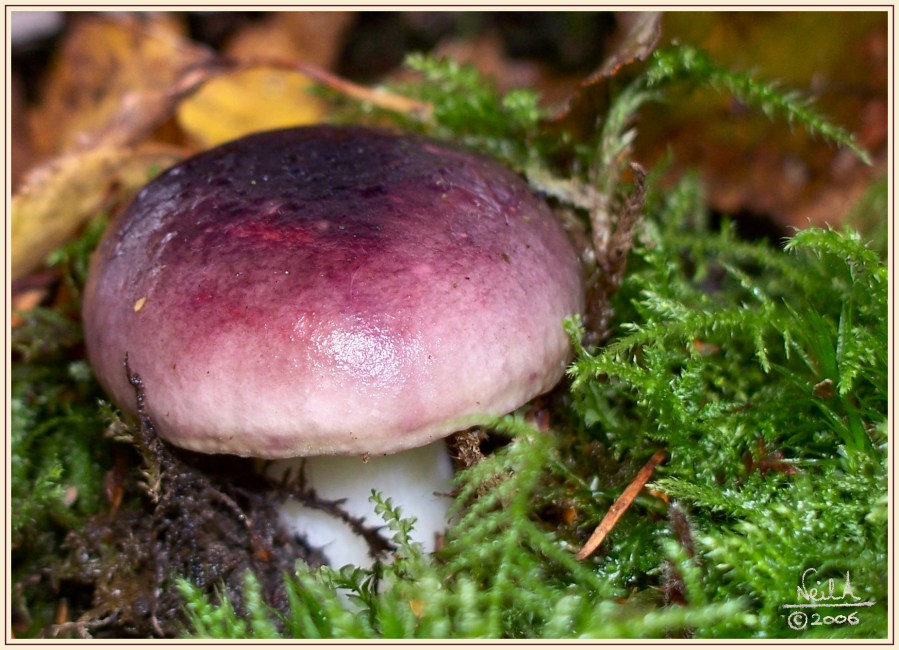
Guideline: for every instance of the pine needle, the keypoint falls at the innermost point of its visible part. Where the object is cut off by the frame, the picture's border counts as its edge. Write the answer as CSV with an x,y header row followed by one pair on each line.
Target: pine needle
x,y
620,506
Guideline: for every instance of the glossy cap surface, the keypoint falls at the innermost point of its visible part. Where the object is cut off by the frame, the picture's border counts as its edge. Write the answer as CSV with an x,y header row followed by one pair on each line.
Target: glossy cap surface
x,y
330,290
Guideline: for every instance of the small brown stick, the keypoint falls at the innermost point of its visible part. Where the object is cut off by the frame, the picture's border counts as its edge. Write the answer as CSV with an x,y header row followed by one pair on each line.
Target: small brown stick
x,y
379,97
620,506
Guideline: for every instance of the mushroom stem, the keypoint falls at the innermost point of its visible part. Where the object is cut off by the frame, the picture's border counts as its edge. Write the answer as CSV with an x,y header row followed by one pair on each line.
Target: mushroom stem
x,y
340,519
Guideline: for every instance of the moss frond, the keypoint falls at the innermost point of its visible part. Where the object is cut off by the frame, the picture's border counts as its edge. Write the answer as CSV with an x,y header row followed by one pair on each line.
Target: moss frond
x,y
469,110
685,63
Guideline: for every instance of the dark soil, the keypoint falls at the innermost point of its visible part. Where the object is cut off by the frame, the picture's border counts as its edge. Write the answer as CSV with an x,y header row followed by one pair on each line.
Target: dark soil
x,y
207,519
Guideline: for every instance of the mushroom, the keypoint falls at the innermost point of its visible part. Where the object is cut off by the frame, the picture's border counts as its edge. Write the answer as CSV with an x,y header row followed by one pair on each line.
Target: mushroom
x,y
325,292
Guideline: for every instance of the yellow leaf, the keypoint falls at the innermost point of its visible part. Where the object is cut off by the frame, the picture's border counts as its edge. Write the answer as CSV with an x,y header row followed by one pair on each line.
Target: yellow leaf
x,y
58,198
256,99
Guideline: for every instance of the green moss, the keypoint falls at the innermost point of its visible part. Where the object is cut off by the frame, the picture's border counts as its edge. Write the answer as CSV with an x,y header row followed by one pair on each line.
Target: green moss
x,y
761,370
59,452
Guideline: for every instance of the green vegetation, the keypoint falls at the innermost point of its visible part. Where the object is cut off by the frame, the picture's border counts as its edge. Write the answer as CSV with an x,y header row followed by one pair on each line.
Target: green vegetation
x,y
760,370
59,456
773,416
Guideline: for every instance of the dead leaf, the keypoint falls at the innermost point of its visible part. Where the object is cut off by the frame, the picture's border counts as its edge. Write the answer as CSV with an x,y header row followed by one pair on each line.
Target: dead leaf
x,y
314,37
114,80
58,198
25,301
21,152
486,53
244,101
638,35
755,167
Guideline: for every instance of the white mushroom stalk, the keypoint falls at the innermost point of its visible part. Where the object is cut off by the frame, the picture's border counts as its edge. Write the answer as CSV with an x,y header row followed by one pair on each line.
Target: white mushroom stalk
x,y
332,291
417,481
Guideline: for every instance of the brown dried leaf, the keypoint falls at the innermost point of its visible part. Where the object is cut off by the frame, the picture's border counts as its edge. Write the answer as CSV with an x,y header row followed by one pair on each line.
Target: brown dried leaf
x,y
637,38
486,53
766,173
314,37
612,241
25,301
58,198
114,80
21,151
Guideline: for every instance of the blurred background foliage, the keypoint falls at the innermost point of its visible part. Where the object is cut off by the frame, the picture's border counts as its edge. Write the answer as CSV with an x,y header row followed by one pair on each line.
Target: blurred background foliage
x,y
755,170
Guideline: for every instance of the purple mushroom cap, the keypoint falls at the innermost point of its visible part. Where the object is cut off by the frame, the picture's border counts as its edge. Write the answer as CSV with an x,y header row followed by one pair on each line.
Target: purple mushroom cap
x,y
330,290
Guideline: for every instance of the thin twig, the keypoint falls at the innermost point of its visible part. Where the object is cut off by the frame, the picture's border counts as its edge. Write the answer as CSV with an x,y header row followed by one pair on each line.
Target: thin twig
x,y
620,506
376,96
380,97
